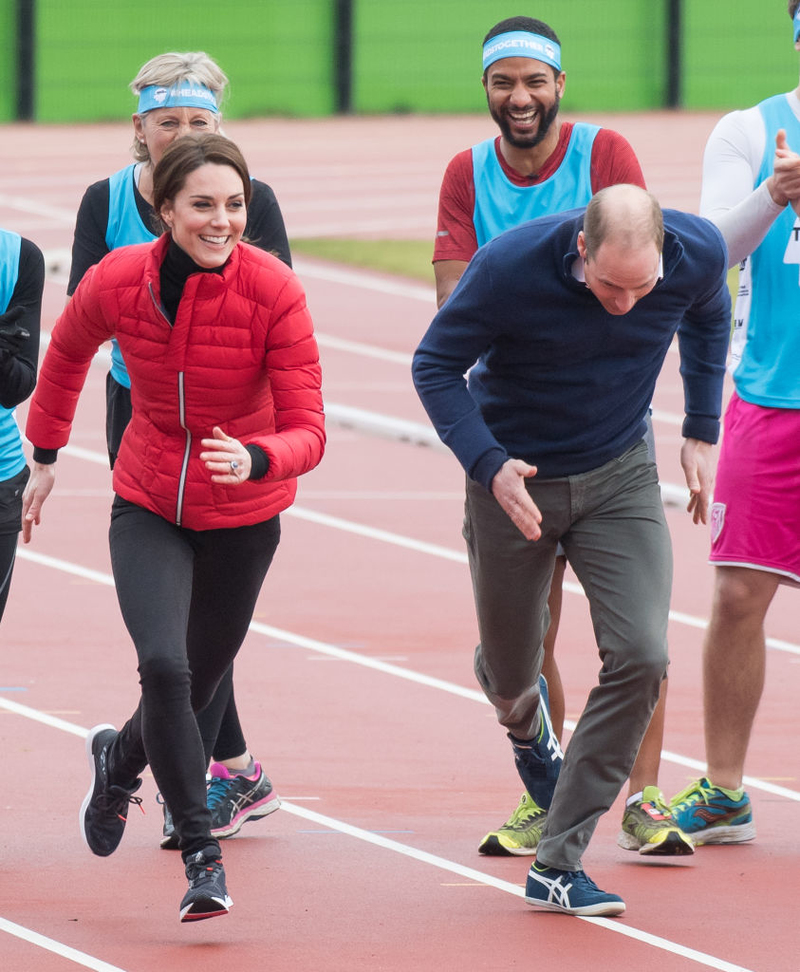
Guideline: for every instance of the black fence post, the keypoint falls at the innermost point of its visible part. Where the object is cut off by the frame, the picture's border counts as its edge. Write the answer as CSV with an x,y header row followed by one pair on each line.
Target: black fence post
x,y
26,15
343,56
673,94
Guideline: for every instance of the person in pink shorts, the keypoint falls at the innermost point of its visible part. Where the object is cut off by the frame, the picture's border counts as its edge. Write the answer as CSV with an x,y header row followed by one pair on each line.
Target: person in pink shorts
x,y
751,190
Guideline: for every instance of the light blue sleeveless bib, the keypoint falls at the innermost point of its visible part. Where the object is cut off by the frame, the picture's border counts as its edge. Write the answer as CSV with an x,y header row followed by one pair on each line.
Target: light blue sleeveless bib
x,y
768,372
124,228
12,458
501,205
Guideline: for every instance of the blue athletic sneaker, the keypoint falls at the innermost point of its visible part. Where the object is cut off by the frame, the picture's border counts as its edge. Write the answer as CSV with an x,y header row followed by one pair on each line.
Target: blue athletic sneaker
x,y
713,815
572,892
539,760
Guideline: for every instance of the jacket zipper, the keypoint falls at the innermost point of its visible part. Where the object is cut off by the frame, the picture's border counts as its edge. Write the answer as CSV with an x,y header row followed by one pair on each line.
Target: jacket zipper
x,y
182,418
186,450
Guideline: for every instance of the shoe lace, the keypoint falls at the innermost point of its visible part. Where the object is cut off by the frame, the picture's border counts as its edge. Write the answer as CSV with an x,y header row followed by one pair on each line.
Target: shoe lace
x,y
659,804
525,814
582,879
217,791
201,871
115,799
694,793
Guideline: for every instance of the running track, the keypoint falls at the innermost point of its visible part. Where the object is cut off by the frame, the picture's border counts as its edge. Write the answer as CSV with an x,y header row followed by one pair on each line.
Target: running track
x,y
355,684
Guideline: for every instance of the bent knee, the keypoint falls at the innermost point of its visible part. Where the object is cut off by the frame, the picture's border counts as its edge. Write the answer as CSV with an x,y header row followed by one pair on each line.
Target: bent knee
x,y
742,593
164,676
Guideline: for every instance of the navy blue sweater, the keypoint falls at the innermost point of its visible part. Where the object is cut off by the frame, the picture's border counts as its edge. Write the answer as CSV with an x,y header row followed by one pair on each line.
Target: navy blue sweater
x,y
560,382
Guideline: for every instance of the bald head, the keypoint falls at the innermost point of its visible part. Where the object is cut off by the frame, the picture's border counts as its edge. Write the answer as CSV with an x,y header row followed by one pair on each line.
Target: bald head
x,y
621,240
626,217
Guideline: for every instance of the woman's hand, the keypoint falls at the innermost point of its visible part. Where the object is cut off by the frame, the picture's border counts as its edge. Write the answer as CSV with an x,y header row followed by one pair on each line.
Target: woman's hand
x,y
36,492
226,459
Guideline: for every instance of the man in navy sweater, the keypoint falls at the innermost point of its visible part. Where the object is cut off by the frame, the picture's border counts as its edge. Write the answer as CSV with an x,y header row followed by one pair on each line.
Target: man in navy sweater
x,y
569,318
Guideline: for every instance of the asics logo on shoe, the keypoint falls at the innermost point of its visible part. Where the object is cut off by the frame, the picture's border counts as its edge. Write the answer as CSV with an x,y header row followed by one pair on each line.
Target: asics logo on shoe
x,y
557,890
553,745
243,800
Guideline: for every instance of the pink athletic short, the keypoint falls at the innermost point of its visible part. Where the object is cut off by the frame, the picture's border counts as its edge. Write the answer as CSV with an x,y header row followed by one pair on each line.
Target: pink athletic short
x,y
755,516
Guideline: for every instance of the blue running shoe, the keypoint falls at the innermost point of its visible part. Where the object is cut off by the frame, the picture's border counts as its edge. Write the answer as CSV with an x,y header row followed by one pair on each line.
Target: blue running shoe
x,y
713,815
539,760
572,892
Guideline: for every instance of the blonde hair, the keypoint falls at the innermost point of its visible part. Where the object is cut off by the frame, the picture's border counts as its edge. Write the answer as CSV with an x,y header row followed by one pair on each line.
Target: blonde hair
x,y
167,70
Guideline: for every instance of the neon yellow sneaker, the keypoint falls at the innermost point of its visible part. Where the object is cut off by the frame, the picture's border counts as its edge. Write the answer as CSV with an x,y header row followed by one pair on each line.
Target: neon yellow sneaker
x,y
520,834
648,826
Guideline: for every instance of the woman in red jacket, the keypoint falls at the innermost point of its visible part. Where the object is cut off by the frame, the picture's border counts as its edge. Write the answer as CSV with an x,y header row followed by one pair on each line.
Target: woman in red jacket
x,y
227,412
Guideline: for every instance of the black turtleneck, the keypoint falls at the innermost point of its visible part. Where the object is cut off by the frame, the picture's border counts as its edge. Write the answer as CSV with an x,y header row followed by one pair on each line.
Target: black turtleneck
x,y
177,267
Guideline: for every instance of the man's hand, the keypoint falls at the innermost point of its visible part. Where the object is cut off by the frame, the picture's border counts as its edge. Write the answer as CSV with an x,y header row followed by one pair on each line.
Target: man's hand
x,y
36,492
697,460
508,488
784,183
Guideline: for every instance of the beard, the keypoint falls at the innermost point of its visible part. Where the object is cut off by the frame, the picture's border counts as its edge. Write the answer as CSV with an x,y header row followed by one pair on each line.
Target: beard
x,y
527,141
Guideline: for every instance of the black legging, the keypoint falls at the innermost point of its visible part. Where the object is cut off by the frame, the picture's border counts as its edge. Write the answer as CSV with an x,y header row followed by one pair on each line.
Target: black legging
x,y
10,525
219,723
187,598
8,549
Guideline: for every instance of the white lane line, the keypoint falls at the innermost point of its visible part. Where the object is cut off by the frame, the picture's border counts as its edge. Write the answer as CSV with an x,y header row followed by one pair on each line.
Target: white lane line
x,y
24,204
435,550
44,717
79,958
385,843
471,874
365,661
365,350
386,536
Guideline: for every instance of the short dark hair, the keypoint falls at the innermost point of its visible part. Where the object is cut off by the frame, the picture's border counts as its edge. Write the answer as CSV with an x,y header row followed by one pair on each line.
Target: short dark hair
x,y
529,25
188,153
793,5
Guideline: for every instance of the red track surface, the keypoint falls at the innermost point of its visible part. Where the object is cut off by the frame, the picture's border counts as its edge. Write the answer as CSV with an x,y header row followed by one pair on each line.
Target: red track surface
x,y
406,774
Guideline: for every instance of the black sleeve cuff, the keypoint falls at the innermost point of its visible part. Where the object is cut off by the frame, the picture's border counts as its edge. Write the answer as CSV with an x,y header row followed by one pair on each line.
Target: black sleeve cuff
x,y
259,460
45,456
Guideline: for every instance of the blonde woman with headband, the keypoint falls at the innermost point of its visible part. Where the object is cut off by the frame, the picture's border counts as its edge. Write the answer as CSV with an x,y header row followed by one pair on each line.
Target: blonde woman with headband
x,y
178,94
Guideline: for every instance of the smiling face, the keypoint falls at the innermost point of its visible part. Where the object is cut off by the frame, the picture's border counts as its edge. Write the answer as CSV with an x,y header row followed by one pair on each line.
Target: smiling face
x,y
523,97
157,128
207,216
619,277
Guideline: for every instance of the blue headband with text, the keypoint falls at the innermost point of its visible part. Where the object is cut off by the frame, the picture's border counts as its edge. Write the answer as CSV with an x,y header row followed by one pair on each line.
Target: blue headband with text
x,y
522,43
796,25
184,94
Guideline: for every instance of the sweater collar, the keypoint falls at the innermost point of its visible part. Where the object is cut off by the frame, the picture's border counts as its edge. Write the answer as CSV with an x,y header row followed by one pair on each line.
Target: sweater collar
x,y
671,254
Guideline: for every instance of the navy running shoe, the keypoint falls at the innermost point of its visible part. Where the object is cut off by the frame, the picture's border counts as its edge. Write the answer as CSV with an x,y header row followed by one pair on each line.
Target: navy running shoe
x,y
169,835
207,896
572,892
104,811
539,760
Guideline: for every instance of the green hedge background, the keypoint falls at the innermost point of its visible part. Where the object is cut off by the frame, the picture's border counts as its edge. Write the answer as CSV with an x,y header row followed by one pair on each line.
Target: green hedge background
x,y
408,55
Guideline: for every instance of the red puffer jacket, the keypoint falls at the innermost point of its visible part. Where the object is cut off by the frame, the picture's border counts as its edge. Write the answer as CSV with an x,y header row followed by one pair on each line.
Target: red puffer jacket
x,y
241,354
